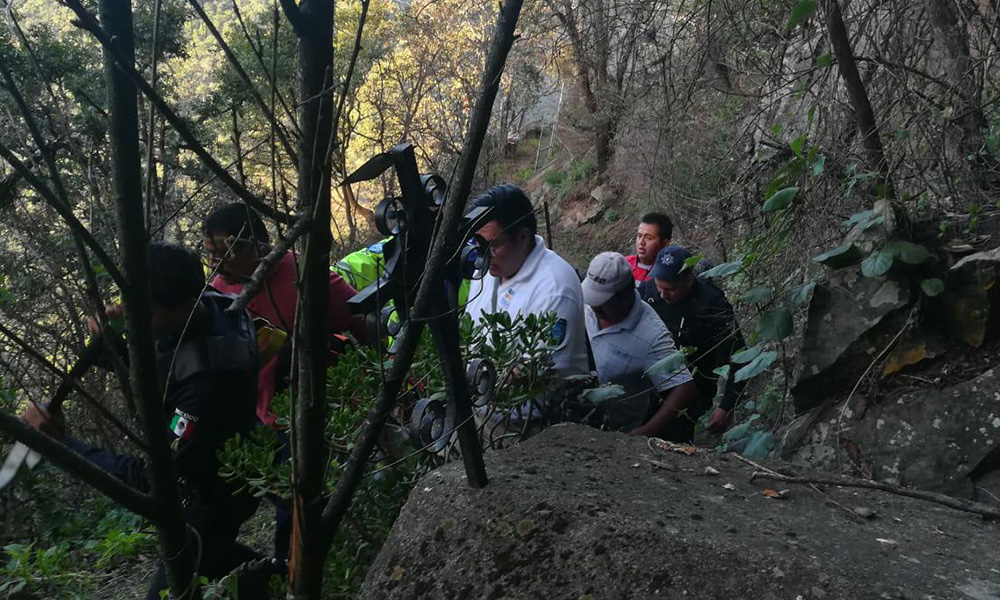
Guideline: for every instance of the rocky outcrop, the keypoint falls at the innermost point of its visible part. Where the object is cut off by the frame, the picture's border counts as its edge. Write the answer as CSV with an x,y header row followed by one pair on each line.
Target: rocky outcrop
x,y
851,319
930,439
971,300
578,514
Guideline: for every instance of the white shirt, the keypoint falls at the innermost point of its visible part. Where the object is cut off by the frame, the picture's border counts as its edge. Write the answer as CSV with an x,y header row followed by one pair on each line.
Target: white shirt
x,y
544,283
633,346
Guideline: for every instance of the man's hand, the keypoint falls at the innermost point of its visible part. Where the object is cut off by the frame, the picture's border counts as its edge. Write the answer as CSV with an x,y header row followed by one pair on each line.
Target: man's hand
x,y
719,420
52,425
643,430
113,311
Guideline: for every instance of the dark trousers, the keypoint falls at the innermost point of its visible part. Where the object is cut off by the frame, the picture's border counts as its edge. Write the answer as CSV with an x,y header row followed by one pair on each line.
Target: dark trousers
x,y
282,510
220,552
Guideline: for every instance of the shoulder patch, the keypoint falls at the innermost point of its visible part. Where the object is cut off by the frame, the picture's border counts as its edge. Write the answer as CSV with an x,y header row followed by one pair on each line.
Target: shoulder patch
x,y
182,425
559,331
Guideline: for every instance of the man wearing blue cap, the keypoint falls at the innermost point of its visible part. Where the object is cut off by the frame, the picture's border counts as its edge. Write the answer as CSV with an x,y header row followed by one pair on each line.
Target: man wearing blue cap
x,y
628,339
698,315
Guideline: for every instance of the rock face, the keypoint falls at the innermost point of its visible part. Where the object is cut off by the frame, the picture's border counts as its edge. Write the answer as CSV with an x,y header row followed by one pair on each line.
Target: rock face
x,y
579,514
851,319
971,301
929,439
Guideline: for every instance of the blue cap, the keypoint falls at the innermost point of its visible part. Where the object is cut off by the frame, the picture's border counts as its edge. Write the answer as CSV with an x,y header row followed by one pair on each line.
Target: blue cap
x,y
669,263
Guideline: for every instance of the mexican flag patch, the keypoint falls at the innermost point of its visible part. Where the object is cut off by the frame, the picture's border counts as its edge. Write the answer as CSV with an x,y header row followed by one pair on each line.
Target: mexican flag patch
x,y
183,424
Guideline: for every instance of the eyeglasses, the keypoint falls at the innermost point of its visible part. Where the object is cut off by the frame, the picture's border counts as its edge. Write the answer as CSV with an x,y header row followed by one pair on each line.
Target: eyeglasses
x,y
221,249
496,243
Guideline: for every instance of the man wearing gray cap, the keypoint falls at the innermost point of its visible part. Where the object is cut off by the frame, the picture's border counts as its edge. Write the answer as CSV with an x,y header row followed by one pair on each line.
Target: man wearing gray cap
x,y
627,338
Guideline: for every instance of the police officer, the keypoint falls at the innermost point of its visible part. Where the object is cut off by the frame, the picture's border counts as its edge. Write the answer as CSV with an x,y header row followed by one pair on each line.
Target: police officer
x,y
698,315
208,370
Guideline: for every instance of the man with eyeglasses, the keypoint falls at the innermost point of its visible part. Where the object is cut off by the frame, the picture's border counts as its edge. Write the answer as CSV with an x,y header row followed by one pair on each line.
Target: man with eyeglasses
x,y
628,340
525,277
235,240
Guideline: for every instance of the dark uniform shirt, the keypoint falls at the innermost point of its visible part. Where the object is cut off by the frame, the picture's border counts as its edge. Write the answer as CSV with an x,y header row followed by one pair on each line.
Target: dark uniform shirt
x,y
705,321
210,397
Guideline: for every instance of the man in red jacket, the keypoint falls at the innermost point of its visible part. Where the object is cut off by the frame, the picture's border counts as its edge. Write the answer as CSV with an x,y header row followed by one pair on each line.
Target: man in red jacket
x,y
655,231
235,240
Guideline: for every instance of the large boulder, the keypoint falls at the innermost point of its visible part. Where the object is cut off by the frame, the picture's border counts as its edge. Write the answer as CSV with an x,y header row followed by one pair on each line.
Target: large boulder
x,y
971,301
579,514
929,439
851,319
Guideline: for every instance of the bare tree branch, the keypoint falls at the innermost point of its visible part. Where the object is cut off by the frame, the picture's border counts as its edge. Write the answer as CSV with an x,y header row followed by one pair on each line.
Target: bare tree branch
x,y
64,212
950,501
294,16
80,468
86,21
267,263
258,53
235,63
72,381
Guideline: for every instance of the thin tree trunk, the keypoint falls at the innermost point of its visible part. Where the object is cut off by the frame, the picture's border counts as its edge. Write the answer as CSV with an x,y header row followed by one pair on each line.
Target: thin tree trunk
x,y
863,113
126,179
967,105
443,247
305,579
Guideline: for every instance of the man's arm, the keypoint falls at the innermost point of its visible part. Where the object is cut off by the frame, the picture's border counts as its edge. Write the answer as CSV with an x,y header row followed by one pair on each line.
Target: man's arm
x,y
675,401
726,339
191,425
568,327
341,319
126,467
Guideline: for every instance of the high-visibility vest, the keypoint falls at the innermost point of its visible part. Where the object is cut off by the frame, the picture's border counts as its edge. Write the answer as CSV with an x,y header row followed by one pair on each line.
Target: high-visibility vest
x,y
363,267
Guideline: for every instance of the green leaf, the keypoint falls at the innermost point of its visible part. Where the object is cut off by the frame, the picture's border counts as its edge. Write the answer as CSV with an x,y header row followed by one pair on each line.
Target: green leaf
x,y
747,354
824,61
602,393
818,165
760,444
690,263
932,287
797,144
872,223
776,325
722,372
877,264
911,254
858,217
737,433
724,269
756,366
780,199
761,293
801,295
740,431
839,257
665,366
800,13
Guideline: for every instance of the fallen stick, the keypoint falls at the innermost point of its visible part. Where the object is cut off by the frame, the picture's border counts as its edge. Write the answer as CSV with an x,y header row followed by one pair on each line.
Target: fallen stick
x,y
978,508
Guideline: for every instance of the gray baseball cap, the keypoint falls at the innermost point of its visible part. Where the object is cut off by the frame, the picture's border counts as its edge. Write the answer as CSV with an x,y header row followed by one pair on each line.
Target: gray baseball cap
x,y
608,274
